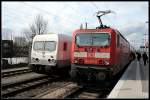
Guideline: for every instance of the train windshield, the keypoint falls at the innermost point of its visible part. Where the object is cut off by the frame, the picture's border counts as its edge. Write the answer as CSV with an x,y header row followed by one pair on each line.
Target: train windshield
x,y
38,45
92,39
50,46
44,45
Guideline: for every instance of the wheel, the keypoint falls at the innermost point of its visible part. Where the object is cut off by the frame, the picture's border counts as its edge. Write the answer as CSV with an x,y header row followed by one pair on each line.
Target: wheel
x,y
74,75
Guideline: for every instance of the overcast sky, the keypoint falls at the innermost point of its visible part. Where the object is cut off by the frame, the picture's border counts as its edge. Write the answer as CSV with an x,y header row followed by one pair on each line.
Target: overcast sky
x,y
65,17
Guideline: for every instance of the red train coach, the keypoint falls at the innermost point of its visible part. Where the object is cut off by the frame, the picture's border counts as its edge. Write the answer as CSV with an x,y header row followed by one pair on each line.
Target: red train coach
x,y
98,53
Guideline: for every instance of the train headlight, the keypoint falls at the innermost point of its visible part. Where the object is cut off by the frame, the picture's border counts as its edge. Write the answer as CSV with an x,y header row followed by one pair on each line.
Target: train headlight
x,y
53,61
106,62
33,59
37,59
49,60
75,61
81,61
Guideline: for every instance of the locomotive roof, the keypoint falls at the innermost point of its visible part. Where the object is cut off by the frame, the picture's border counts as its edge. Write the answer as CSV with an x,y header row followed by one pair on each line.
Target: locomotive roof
x,y
109,30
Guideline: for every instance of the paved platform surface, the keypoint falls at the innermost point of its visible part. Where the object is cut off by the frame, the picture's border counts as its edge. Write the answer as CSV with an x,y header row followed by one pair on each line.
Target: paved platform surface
x,y
134,83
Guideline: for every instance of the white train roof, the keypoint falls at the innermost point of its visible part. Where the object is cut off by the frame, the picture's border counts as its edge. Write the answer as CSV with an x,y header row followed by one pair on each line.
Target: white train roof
x,y
51,37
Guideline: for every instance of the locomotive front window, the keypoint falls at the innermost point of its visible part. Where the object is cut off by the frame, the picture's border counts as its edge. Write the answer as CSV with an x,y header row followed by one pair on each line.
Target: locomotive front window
x,y
83,39
38,45
44,45
50,45
92,39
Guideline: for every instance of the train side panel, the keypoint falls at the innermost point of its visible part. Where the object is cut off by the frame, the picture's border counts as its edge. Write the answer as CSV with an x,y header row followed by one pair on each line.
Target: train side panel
x,y
121,51
115,56
64,47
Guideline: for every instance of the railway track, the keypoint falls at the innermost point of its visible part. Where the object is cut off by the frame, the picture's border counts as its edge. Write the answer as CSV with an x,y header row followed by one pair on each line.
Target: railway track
x,y
9,90
59,92
89,93
15,72
94,91
54,92
74,91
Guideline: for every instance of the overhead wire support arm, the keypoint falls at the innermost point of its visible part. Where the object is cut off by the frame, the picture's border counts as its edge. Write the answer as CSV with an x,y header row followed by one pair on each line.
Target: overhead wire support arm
x,y
100,14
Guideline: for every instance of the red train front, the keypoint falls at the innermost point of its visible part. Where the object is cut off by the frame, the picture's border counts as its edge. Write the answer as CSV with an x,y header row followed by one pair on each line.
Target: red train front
x,y
98,54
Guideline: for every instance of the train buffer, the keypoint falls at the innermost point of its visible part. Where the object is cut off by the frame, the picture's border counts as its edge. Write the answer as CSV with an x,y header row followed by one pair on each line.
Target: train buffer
x,y
133,83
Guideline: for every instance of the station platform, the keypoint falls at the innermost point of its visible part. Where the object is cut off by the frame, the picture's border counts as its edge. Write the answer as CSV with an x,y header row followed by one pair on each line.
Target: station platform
x,y
134,83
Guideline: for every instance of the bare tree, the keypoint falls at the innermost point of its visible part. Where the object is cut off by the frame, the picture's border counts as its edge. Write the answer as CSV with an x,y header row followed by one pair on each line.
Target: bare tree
x,y
28,34
39,26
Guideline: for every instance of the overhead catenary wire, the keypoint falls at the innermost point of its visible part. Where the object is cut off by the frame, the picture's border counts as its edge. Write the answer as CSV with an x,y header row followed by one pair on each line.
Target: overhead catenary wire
x,y
49,13
22,19
80,16
96,7
38,9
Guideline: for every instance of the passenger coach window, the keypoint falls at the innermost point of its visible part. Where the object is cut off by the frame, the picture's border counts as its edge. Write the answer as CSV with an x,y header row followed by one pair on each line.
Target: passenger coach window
x,y
65,46
118,40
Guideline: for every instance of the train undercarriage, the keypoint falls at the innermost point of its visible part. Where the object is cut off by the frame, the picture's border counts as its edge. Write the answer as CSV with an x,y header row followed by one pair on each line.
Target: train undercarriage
x,y
90,73
49,70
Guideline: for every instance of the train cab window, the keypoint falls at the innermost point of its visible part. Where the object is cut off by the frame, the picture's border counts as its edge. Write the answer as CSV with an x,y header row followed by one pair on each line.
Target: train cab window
x,y
38,45
50,46
93,39
118,42
65,46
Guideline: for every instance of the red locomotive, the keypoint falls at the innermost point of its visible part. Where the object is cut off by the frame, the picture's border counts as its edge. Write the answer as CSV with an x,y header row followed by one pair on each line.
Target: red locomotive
x,y
98,53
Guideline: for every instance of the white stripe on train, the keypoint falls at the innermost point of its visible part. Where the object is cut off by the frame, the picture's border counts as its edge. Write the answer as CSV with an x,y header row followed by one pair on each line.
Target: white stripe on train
x,y
97,54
